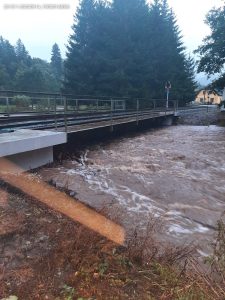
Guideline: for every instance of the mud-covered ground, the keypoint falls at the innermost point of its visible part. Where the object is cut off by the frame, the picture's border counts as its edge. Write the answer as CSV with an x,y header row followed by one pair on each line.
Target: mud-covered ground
x,y
29,235
176,174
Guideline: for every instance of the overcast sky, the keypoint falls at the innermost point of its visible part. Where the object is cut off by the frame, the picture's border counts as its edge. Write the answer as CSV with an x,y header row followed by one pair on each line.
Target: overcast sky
x,y
40,28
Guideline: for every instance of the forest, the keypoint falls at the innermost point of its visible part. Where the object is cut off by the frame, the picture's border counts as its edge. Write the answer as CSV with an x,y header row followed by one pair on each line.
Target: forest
x,y
122,48
19,71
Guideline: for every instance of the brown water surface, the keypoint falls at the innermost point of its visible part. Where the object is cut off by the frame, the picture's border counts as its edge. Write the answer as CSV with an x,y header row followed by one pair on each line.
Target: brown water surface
x,y
176,174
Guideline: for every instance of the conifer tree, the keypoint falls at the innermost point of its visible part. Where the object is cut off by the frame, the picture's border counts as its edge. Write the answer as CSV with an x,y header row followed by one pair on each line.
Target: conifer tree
x,y
18,71
8,64
56,62
22,54
127,49
169,61
79,58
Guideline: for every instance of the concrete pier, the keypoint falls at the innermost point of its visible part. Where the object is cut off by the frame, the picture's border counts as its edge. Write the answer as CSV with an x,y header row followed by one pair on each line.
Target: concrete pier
x,y
26,149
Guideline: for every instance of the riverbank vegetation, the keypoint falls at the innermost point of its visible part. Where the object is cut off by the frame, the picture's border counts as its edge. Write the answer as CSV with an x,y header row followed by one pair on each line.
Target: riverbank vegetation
x,y
46,256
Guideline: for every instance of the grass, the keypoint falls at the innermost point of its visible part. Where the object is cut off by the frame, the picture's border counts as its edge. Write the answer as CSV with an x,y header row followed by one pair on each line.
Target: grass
x,y
106,271
3,108
74,263
217,259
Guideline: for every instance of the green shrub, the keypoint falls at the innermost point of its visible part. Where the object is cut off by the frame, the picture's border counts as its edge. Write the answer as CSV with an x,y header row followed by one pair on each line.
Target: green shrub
x,y
21,101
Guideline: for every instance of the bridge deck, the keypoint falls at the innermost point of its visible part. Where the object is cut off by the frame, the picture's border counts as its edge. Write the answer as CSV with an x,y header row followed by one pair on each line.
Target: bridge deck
x,y
114,122
76,122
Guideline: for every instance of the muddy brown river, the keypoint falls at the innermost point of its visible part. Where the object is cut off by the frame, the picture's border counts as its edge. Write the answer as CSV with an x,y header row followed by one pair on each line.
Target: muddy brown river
x,y
175,174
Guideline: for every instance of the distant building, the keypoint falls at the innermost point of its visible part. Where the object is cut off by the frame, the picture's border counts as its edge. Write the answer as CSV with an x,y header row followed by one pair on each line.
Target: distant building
x,y
223,97
209,97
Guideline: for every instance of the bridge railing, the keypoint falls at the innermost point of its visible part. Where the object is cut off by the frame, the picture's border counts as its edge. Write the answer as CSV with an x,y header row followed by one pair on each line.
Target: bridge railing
x,y
63,107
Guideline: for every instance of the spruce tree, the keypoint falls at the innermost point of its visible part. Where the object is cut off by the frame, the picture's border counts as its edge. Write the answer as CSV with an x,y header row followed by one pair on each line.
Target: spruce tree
x,y
18,71
105,51
22,54
56,62
129,46
127,49
167,54
8,64
79,57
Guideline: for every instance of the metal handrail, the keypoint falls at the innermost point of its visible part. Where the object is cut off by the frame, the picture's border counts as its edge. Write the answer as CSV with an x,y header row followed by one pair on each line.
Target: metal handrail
x,y
67,105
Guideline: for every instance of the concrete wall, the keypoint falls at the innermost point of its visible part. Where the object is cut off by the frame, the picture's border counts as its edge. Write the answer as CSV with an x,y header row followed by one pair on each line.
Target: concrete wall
x,y
27,160
26,149
199,116
25,140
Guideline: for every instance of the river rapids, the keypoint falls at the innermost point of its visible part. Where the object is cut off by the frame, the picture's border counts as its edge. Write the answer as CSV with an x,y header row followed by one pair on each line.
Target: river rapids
x,y
175,174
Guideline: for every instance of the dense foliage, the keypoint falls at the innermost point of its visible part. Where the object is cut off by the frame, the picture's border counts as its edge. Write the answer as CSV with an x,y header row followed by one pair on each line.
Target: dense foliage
x,y
18,71
117,48
127,48
212,51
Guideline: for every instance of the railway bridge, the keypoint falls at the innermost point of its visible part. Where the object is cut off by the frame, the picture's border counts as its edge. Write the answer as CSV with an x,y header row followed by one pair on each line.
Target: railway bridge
x,y
31,124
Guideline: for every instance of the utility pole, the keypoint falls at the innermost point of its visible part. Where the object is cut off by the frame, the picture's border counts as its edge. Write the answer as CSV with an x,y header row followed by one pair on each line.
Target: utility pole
x,y
167,87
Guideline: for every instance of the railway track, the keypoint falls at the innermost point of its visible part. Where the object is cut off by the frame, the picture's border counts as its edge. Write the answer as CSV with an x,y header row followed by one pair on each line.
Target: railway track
x,y
49,121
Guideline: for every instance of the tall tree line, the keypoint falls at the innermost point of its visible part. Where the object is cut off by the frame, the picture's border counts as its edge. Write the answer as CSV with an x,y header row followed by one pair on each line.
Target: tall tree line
x,y
19,71
127,48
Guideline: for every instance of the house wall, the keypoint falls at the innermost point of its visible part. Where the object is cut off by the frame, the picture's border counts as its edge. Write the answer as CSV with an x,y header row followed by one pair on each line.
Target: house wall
x,y
212,98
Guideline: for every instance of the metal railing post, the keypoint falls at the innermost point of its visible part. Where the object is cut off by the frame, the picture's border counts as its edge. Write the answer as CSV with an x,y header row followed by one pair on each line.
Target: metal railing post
x,y
175,106
65,113
137,106
55,112
48,104
111,116
7,105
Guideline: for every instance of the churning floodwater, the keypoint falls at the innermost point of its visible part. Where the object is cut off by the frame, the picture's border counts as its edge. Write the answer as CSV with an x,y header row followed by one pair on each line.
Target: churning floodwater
x,y
176,174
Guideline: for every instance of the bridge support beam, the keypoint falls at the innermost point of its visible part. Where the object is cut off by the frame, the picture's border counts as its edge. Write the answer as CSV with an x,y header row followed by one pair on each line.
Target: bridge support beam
x,y
168,121
23,150
25,161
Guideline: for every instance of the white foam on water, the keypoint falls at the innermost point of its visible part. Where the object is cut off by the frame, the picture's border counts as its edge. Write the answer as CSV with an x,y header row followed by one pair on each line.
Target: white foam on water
x,y
202,253
177,229
127,197
177,205
70,172
173,213
136,202
200,228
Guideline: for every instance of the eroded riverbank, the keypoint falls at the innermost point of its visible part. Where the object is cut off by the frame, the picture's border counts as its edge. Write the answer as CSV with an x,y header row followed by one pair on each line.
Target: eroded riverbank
x,y
176,174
